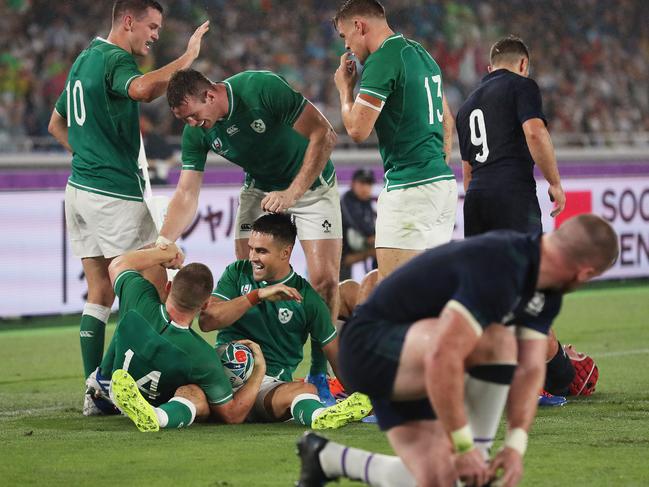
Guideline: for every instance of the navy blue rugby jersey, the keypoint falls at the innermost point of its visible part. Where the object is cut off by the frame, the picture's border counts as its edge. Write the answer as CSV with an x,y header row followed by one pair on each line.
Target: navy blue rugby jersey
x,y
491,276
490,130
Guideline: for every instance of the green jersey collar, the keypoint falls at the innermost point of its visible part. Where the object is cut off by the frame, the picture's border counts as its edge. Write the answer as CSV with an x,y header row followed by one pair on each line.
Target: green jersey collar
x,y
280,281
167,318
230,94
393,36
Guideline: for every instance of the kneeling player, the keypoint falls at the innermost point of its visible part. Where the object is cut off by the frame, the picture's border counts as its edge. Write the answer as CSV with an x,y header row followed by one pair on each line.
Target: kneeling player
x,y
264,300
409,345
155,344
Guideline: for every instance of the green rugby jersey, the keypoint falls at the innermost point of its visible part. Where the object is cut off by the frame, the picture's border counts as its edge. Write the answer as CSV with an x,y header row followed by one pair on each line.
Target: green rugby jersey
x,y
257,133
103,122
164,355
280,328
408,81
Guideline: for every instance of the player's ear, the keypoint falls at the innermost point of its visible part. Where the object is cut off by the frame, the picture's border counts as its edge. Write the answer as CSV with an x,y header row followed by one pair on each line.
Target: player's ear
x,y
586,273
524,67
168,287
286,252
490,68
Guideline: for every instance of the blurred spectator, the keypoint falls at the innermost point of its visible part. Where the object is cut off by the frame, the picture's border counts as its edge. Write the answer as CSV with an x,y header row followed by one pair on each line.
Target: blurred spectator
x,y
592,60
358,224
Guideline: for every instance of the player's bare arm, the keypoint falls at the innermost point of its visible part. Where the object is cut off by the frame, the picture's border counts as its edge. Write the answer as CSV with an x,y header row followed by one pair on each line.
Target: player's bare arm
x,y
448,122
183,205
236,410
220,313
58,127
358,117
542,151
457,338
312,125
139,260
152,85
466,175
521,408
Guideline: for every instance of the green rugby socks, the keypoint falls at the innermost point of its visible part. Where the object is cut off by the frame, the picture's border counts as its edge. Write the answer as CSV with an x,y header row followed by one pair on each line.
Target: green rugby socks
x,y
177,413
305,408
91,335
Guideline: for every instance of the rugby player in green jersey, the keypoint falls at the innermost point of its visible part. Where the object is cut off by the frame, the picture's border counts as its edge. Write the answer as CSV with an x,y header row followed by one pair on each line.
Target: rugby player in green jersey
x,y
164,373
97,119
262,299
401,97
283,143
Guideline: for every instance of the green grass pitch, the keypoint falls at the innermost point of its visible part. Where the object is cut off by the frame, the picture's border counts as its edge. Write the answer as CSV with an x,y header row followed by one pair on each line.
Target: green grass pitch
x,y
597,441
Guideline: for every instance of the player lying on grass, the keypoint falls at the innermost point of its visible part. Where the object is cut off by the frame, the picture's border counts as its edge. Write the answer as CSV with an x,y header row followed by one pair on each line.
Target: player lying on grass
x,y
442,315
176,370
264,300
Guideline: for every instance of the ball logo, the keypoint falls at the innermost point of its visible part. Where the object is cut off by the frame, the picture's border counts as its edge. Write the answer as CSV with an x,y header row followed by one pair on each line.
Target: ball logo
x,y
284,315
258,126
240,356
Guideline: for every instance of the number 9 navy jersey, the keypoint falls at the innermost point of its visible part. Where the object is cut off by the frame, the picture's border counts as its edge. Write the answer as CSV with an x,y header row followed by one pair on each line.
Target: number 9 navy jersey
x,y
490,132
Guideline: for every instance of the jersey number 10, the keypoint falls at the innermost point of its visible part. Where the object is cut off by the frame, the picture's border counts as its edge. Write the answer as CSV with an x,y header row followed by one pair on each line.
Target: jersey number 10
x,y
78,107
479,136
437,79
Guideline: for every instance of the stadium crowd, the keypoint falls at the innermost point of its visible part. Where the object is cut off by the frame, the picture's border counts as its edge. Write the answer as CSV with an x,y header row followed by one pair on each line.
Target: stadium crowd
x,y
590,55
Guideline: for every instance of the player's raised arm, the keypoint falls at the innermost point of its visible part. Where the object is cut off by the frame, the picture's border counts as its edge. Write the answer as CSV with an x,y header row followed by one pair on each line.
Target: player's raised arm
x,y
152,85
139,260
312,125
358,116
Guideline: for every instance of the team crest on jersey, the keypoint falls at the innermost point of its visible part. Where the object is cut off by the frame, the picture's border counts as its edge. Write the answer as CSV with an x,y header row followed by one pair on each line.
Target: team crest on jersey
x,y
536,304
217,145
284,315
232,129
245,289
258,126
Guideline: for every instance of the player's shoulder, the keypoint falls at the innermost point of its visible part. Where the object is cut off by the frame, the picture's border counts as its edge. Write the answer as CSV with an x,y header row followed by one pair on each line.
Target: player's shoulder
x,y
389,51
254,81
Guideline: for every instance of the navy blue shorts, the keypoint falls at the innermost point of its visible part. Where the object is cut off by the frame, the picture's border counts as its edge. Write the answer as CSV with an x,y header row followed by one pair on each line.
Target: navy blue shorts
x,y
486,210
368,359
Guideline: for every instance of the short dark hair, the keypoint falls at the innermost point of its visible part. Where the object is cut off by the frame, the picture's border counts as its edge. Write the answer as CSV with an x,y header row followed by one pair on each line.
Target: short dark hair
x,y
279,225
508,49
184,83
192,286
136,7
350,8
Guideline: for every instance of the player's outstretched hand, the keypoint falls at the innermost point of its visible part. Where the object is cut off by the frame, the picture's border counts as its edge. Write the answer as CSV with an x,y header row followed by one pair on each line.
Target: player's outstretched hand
x,y
346,74
558,197
472,468
175,256
279,292
194,44
278,201
260,361
511,462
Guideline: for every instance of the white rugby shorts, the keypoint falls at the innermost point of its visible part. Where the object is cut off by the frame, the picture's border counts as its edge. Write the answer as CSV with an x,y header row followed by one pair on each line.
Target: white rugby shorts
x,y
416,218
100,225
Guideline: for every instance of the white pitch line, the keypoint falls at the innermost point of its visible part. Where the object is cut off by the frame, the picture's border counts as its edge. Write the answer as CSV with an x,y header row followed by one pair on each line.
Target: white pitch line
x,y
621,353
28,412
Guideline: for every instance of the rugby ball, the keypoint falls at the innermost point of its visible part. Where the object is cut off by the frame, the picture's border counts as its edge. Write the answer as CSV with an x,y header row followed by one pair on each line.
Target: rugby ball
x,y
238,362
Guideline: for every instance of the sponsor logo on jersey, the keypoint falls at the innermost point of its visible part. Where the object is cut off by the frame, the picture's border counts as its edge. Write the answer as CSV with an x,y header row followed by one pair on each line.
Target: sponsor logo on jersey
x,y
232,129
245,289
258,126
284,315
245,227
536,304
327,226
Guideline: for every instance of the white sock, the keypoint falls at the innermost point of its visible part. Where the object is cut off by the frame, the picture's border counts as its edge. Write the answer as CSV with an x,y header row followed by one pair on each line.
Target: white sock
x,y
163,419
371,468
102,313
485,400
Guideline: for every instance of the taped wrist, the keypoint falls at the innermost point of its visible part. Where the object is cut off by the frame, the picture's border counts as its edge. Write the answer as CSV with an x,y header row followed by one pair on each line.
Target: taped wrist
x,y
462,439
253,297
516,439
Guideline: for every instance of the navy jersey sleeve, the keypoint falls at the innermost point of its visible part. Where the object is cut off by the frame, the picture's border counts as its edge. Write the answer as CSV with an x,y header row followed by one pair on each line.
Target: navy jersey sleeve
x,y
534,318
489,298
528,100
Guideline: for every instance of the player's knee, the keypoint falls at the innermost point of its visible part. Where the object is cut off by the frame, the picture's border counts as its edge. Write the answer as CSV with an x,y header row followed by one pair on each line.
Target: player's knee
x,y
325,283
197,397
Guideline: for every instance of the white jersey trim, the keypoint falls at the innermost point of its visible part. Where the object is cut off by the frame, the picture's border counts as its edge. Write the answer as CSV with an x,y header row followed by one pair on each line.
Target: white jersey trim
x,y
101,191
220,296
360,101
121,274
329,338
229,87
525,333
374,93
466,314
392,37
429,180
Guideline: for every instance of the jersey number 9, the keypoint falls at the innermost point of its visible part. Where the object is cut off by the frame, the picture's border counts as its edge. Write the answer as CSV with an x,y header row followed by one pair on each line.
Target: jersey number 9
x,y
479,136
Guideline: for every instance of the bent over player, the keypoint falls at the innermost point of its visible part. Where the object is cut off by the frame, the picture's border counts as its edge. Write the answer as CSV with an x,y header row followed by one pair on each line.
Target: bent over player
x,y
409,345
97,119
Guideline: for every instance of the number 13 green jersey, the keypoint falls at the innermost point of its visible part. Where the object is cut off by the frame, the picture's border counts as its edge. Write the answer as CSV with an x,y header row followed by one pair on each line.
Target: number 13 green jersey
x,y
407,82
